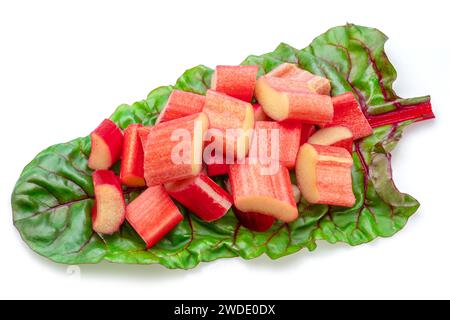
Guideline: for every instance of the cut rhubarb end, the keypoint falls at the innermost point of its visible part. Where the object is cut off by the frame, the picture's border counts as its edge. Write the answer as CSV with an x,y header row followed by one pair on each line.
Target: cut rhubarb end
x,y
173,149
273,141
106,146
202,196
132,166
337,136
348,113
290,71
131,180
255,190
235,81
108,213
226,113
324,175
418,112
153,214
282,100
254,221
274,103
181,104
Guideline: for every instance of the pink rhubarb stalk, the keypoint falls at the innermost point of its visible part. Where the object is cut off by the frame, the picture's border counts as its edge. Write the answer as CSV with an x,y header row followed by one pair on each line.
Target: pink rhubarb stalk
x,y
108,213
132,166
202,196
286,99
254,190
318,84
226,114
153,214
236,81
324,175
173,149
417,112
254,221
181,104
287,141
106,146
348,113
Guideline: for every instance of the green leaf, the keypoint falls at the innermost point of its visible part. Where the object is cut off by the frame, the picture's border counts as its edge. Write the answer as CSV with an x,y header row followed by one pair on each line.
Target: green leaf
x,y
54,195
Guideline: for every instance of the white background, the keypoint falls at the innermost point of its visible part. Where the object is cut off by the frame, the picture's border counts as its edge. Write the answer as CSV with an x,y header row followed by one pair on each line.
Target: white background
x,y
66,65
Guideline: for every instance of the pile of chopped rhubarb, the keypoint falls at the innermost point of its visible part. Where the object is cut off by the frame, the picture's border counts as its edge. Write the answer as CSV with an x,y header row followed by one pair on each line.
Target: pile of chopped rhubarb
x,y
253,130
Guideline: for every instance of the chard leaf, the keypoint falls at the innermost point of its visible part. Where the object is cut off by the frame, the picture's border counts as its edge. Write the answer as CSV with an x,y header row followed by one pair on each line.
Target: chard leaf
x,y
53,197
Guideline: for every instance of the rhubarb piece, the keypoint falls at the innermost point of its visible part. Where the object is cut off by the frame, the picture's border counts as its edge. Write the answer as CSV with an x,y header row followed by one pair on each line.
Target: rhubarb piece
x,y
337,136
287,84
173,149
106,146
108,212
254,221
290,71
318,84
153,214
181,104
251,220
411,110
324,175
132,166
256,191
307,131
276,141
233,120
143,134
347,113
215,163
202,196
217,169
236,81
284,99
259,113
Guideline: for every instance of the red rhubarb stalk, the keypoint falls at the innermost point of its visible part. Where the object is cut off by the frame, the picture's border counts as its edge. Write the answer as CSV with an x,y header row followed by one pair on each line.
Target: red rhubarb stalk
x,y
324,175
202,196
143,134
255,190
153,214
215,162
226,114
254,221
108,213
181,104
418,112
307,131
348,113
318,84
173,149
132,166
337,136
285,145
236,81
286,99
217,169
251,220
106,146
